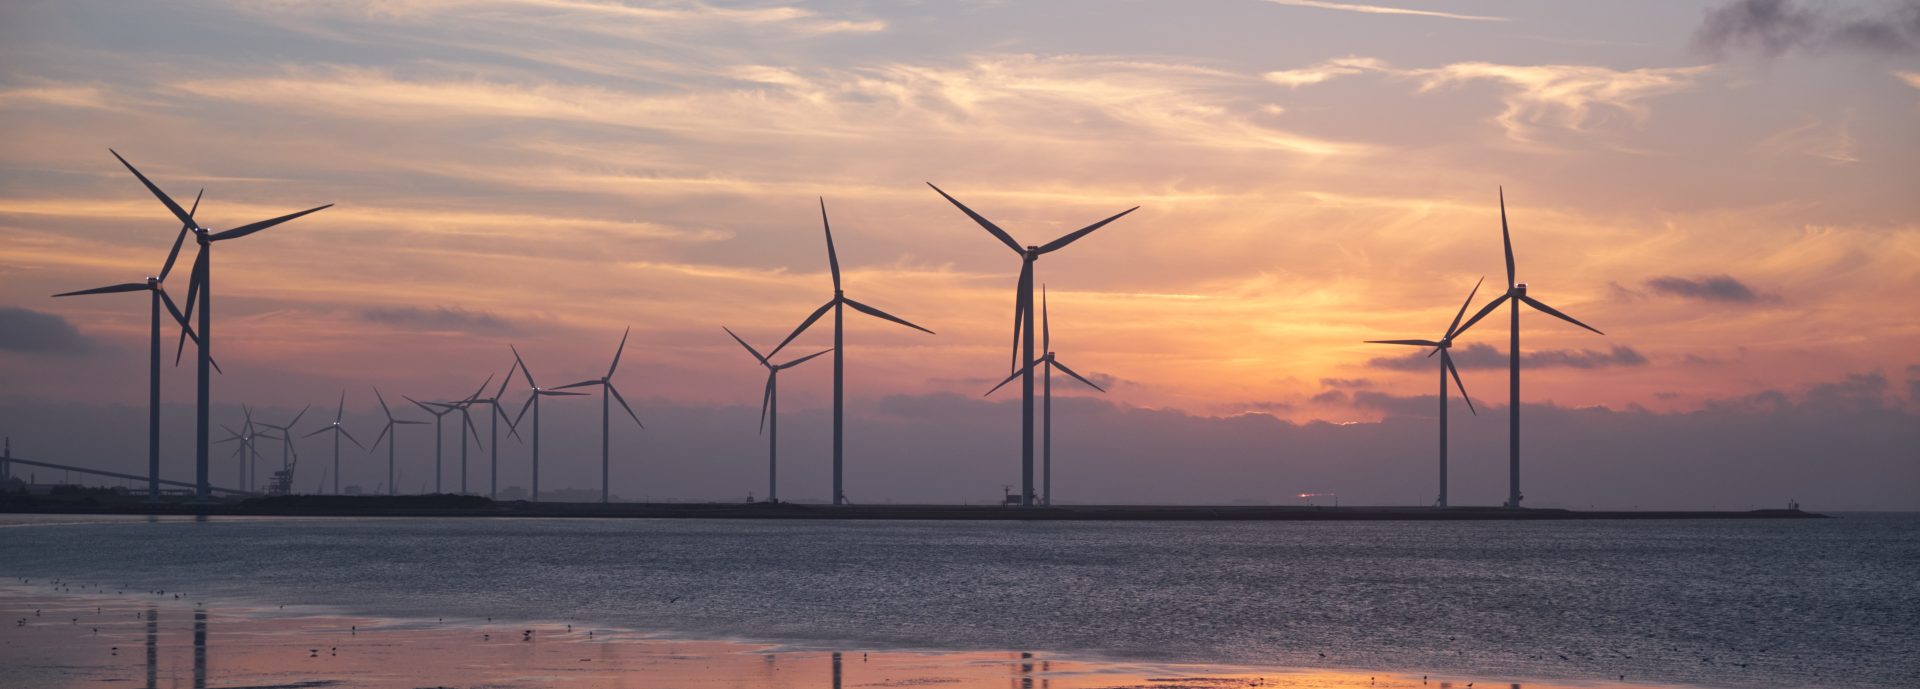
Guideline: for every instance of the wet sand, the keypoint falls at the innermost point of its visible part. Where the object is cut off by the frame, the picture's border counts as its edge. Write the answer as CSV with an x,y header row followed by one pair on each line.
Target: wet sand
x,y
57,636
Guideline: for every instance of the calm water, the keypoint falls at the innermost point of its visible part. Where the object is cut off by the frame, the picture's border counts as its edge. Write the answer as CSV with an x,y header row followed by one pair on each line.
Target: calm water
x,y
1827,603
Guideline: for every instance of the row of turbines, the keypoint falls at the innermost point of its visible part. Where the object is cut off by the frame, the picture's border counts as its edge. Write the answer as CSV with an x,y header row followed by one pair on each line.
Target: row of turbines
x,y
1030,364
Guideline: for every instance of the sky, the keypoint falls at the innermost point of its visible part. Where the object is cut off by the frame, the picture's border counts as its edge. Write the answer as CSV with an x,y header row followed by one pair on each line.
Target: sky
x,y
1723,187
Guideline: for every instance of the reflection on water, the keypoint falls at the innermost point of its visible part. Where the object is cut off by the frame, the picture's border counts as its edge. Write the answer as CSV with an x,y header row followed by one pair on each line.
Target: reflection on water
x,y
199,649
153,647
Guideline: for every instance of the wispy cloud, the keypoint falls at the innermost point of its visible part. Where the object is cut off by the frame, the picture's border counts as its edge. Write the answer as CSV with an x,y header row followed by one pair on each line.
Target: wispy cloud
x,y
1383,9
440,319
53,94
1912,78
1566,96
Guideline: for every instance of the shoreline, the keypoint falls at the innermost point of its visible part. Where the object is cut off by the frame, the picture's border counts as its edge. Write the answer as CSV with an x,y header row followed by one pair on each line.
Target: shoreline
x,y
447,505
81,635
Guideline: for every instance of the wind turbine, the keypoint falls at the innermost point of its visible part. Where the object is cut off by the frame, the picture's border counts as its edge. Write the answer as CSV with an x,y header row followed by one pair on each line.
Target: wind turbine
x,y
1516,293
201,286
1023,324
466,421
245,451
287,452
438,416
533,401
770,410
607,390
493,427
1443,346
390,429
837,303
1051,361
158,295
338,430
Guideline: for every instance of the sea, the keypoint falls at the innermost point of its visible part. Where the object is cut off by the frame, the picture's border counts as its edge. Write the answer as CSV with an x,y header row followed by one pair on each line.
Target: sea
x,y
1709,603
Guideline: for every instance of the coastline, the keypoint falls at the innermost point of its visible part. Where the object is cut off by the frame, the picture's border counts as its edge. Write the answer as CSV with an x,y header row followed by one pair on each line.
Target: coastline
x,y
76,635
447,505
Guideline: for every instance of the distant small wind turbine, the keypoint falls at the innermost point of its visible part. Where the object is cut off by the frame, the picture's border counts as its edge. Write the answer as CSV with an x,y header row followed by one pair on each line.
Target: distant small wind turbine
x,y
287,451
533,402
1516,293
1444,346
608,390
770,410
201,287
1022,313
338,430
839,349
466,421
1051,361
158,295
439,413
390,429
493,427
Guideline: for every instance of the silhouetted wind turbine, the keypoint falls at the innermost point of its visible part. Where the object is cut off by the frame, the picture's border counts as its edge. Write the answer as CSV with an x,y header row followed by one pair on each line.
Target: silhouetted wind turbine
x,y
839,349
202,287
533,401
466,421
1051,361
439,414
1022,313
770,410
390,428
607,390
338,430
158,295
1443,346
287,452
1516,293
493,427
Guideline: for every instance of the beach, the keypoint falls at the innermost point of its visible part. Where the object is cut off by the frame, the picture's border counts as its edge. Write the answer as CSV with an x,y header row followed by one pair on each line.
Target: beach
x,y
75,635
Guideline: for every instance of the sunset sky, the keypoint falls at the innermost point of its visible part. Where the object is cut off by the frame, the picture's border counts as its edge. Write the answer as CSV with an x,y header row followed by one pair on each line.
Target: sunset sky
x,y
1727,189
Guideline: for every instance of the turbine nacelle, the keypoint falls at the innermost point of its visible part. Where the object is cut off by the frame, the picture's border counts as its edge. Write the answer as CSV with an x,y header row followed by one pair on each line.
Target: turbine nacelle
x,y
1520,289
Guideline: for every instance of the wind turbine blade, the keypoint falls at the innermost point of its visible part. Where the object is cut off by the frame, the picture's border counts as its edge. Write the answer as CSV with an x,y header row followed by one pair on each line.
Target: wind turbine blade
x,y
178,212
470,399
1416,343
417,403
196,278
181,238
109,289
383,403
513,424
342,411
1535,303
623,405
404,422
1046,323
296,417
1447,361
1484,310
517,361
551,393
580,384
1463,308
766,400
622,349
323,429
1506,238
1020,310
992,228
467,420
877,313
815,316
750,349
1082,232
833,259
1016,374
504,381
383,436
251,228
804,359
350,438
1063,369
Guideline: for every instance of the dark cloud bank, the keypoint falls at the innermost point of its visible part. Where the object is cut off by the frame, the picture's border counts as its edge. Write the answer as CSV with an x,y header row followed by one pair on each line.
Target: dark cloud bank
x,y
1849,444
1485,356
33,332
1772,28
